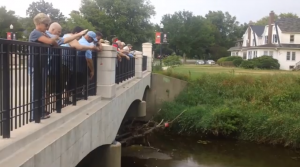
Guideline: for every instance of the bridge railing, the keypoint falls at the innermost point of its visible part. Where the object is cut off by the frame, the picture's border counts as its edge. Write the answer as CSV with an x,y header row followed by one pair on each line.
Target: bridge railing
x,y
144,63
125,69
36,80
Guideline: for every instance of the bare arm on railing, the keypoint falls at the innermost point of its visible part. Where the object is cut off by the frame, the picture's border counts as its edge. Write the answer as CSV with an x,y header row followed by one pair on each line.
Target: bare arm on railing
x,y
46,40
76,44
123,55
75,36
90,64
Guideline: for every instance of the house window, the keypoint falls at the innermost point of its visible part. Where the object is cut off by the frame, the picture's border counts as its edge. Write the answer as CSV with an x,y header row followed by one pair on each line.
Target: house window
x,y
265,53
232,53
288,56
254,54
266,39
253,42
271,53
237,53
292,38
250,55
244,55
293,56
274,38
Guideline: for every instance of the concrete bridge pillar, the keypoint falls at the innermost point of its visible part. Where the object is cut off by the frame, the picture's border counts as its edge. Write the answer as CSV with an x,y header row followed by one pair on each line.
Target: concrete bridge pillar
x,y
106,72
147,51
141,112
110,156
138,65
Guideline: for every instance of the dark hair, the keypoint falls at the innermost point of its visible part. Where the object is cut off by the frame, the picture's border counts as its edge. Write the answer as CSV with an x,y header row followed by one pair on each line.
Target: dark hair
x,y
98,33
77,29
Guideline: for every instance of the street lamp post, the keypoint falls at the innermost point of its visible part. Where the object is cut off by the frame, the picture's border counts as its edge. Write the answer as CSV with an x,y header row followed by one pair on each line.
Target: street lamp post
x,y
12,31
161,33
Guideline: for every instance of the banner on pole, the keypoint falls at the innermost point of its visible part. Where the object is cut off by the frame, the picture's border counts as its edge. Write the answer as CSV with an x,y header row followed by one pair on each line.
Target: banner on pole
x,y
157,37
8,35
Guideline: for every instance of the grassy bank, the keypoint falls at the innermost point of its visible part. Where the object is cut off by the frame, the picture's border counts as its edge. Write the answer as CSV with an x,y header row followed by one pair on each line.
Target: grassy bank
x,y
197,70
260,108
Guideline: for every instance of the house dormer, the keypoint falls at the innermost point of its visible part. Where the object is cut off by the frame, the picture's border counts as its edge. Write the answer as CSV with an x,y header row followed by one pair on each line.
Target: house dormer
x,y
289,30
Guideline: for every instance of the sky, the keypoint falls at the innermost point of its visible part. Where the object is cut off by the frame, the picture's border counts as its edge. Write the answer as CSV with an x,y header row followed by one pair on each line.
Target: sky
x,y
244,10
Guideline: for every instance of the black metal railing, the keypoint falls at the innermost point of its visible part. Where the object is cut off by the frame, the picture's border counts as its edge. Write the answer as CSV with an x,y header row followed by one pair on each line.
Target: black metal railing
x,y
144,63
125,69
37,80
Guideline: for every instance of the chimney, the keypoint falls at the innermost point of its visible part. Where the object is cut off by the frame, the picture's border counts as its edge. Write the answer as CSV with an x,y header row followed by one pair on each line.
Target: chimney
x,y
271,21
249,34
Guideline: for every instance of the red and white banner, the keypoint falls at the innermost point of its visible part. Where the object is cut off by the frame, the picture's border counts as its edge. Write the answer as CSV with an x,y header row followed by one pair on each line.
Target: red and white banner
x,y
8,35
157,37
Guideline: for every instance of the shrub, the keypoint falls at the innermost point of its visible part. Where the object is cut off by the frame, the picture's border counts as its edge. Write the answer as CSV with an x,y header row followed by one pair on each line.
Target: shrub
x,y
266,62
237,62
229,61
221,60
172,60
231,58
263,62
248,64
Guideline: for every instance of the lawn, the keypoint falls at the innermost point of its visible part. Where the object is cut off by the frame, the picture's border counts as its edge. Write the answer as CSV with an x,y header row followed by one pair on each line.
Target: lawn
x,y
197,70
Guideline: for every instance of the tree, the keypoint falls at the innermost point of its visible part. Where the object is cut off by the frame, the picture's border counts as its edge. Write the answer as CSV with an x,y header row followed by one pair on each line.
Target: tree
x,y
47,8
226,31
76,19
188,34
265,20
6,19
27,25
129,20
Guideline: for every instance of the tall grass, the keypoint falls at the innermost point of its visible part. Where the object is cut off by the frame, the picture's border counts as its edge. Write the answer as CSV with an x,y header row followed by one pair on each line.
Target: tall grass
x,y
261,108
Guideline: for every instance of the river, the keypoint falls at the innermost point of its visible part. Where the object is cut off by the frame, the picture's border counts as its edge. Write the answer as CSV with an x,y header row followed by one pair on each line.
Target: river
x,y
191,152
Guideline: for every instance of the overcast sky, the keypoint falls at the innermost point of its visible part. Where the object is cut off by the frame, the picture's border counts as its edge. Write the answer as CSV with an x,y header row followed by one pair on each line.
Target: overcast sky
x,y
244,10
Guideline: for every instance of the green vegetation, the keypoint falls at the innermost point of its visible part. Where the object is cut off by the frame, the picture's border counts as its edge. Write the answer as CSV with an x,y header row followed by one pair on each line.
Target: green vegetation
x,y
172,60
230,61
260,108
263,62
196,71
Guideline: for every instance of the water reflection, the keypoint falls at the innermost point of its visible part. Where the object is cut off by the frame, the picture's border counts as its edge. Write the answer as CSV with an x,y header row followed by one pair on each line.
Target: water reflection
x,y
189,153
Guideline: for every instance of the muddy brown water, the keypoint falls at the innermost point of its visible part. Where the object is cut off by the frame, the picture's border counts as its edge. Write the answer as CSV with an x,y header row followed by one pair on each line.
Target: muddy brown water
x,y
191,152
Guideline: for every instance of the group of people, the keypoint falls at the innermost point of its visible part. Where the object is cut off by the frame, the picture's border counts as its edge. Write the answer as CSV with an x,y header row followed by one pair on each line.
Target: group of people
x,y
84,41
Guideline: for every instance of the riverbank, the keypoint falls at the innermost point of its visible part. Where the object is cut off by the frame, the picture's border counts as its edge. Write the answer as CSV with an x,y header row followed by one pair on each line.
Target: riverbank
x,y
259,108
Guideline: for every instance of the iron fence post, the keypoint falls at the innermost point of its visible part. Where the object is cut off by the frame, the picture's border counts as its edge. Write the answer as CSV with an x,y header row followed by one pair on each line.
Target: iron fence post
x,y
59,90
37,92
74,79
6,94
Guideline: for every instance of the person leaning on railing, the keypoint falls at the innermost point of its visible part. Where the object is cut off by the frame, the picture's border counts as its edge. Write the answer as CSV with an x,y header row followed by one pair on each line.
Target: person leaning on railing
x,y
69,61
128,50
86,59
41,22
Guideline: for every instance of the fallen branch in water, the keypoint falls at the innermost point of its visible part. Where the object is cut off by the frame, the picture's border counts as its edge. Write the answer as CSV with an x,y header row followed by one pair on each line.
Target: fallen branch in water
x,y
146,129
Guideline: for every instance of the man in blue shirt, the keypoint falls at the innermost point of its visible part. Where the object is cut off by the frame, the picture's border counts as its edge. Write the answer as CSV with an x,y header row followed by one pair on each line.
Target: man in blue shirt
x,y
85,60
86,41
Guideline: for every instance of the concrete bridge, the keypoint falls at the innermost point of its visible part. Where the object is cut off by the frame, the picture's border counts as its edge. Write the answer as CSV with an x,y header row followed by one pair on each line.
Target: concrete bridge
x,y
67,137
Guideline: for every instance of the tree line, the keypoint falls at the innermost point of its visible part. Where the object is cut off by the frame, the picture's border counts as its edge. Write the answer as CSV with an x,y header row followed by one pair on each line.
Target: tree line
x,y
201,37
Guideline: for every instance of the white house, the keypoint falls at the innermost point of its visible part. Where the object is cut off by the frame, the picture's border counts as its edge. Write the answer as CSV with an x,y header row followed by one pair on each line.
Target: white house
x,y
279,39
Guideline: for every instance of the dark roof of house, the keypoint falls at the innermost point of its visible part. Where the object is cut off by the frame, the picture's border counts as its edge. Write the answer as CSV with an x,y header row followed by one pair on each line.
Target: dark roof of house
x,y
234,48
289,24
259,30
290,45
